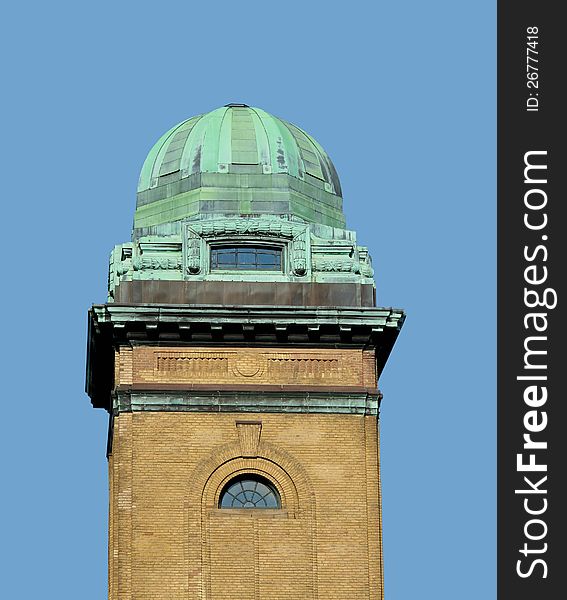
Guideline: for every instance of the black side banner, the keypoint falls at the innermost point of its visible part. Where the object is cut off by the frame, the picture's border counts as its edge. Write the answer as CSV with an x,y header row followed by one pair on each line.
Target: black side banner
x,y
532,337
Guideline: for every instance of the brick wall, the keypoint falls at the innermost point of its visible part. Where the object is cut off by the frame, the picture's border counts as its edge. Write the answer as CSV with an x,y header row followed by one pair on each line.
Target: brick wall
x,y
257,366
169,540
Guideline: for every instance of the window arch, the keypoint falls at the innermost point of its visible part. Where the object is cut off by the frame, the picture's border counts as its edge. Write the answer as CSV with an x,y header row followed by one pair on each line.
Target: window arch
x,y
249,491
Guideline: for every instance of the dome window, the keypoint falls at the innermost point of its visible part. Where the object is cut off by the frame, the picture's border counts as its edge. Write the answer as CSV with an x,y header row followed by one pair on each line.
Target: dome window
x,y
246,258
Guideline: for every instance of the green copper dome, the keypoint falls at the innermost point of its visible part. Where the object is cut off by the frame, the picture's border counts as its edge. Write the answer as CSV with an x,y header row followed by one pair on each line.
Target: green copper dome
x,y
237,161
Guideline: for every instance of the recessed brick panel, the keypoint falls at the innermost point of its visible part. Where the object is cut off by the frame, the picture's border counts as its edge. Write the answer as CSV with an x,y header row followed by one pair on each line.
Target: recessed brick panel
x,y
169,540
247,366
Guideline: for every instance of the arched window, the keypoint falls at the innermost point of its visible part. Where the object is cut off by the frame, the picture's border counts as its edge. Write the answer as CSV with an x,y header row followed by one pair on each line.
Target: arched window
x,y
249,491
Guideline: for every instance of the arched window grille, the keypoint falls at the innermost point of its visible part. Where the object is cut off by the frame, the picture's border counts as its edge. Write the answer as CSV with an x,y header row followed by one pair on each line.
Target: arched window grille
x,y
249,491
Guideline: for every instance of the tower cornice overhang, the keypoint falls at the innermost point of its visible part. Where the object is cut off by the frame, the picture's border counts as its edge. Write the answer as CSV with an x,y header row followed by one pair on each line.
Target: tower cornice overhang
x,y
112,325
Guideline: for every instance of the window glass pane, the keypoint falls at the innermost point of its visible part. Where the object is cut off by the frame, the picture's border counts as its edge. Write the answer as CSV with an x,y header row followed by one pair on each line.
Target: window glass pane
x,y
246,258
226,501
235,489
227,258
264,256
262,489
271,501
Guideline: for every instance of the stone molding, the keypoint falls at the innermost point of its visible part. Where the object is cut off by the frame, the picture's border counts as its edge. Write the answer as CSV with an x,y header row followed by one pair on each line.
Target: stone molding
x,y
114,325
250,401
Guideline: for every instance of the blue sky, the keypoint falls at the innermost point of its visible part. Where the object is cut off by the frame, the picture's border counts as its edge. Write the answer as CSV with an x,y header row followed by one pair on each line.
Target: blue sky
x,y
402,96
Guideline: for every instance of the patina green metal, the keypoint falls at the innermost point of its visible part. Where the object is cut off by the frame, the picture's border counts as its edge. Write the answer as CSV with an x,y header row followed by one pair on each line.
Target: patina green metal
x,y
237,160
112,325
238,177
311,252
353,403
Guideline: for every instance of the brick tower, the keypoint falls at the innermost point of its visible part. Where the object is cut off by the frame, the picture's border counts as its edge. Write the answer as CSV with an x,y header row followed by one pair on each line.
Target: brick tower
x,y
238,356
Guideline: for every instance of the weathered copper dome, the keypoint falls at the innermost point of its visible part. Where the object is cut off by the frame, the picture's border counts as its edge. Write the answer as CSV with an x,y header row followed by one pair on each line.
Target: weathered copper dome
x,y
237,160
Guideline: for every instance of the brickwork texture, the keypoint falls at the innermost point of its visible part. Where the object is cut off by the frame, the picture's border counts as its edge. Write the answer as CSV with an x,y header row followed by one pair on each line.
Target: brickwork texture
x,y
257,366
168,538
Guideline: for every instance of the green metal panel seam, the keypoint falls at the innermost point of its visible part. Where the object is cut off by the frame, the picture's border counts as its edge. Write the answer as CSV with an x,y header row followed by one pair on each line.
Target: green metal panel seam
x,y
323,159
210,150
183,131
225,150
276,130
304,149
331,167
162,151
298,155
188,151
262,140
241,148
147,168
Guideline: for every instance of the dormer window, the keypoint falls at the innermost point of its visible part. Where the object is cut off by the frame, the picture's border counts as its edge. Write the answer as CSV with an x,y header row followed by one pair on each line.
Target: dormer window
x,y
246,258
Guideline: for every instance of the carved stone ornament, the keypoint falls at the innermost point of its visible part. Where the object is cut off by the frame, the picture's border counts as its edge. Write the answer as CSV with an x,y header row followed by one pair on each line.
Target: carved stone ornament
x,y
271,227
365,262
344,265
299,254
156,263
193,252
256,227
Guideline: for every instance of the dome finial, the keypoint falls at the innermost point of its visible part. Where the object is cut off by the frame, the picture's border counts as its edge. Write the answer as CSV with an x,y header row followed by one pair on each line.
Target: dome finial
x,y
236,105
